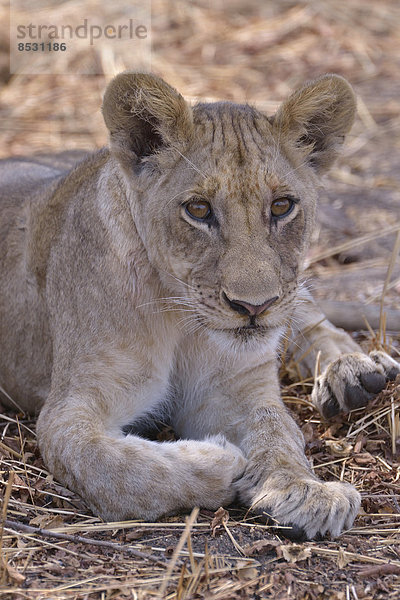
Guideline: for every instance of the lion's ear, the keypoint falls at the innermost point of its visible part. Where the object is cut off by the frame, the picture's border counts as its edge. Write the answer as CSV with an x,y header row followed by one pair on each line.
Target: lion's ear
x,y
143,114
316,119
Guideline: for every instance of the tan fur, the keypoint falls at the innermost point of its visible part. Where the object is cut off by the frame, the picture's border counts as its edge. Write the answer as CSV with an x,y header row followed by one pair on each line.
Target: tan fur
x,y
114,302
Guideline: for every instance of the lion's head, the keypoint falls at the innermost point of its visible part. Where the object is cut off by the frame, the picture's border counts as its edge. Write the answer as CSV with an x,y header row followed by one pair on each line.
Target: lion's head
x,y
223,196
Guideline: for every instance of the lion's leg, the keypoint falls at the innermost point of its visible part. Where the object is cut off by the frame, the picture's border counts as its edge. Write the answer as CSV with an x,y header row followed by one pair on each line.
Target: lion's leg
x,y
243,403
122,477
346,378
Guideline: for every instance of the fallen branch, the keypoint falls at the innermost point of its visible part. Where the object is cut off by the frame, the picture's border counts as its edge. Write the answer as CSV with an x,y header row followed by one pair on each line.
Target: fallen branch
x,y
350,315
77,539
379,570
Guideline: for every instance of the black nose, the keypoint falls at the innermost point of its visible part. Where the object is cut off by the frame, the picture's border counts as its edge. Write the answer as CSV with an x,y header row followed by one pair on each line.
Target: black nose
x,y
245,308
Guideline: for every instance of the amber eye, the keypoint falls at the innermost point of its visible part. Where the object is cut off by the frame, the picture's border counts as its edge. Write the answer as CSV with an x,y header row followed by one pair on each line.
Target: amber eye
x,y
281,207
198,209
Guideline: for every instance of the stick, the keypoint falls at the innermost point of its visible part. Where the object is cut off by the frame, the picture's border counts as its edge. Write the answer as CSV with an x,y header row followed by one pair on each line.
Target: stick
x,y
349,315
392,262
185,534
7,494
353,243
46,533
386,569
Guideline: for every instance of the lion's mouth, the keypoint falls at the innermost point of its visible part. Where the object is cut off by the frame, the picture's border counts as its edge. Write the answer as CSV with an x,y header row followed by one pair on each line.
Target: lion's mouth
x,y
250,330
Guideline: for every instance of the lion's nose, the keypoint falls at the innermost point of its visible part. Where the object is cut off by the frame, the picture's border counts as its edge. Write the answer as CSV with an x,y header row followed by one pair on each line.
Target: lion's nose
x,y
245,308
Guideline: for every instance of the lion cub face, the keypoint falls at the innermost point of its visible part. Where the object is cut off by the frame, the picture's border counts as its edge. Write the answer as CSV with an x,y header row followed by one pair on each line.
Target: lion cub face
x,y
224,197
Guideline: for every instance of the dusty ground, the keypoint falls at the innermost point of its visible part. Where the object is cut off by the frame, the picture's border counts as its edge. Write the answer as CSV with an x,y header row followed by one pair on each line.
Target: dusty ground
x,y
249,51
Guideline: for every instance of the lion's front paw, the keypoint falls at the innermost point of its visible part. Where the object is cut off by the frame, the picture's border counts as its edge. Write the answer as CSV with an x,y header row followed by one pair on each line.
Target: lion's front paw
x,y
311,508
352,380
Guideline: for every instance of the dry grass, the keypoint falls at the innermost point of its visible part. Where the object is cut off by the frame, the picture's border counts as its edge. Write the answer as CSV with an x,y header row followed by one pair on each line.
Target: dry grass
x,y
52,547
250,51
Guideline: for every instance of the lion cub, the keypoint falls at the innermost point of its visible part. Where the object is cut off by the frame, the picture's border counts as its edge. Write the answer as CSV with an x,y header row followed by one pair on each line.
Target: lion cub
x,y
161,272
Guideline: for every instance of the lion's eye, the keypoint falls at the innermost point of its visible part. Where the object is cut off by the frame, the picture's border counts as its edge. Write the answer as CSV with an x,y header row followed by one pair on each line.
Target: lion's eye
x,y
282,207
198,209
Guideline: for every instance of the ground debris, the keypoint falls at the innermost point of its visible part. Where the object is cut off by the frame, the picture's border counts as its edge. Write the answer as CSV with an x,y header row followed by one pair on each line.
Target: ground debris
x,y
256,52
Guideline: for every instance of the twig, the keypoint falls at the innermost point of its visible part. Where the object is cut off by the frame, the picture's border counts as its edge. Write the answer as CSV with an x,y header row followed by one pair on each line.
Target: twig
x,y
392,262
10,451
185,534
351,315
3,391
386,569
234,542
22,444
7,494
317,370
352,556
390,286
77,539
353,243
393,425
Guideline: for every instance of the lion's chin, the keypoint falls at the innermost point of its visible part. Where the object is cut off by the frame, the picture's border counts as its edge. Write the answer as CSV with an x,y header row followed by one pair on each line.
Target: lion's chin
x,y
258,339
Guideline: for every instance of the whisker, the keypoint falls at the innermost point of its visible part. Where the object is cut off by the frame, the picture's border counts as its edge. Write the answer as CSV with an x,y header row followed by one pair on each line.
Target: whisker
x,y
189,319
177,299
176,195
172,309
277,146
191,287
176,309
196,327
285,175
189,162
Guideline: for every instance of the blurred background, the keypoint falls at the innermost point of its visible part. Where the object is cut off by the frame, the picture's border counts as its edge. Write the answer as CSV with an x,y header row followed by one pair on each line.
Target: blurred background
x,y
252,51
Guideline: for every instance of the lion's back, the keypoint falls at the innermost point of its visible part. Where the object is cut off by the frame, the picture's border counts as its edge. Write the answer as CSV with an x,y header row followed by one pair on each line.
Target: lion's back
x,y
24,182
22,179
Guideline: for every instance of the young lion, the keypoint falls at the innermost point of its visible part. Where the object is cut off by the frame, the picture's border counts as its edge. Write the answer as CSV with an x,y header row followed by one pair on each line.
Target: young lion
x,y
162,272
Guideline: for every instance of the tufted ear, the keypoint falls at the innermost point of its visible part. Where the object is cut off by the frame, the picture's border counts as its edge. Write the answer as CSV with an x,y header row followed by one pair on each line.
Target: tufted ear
x,y
143,115
316,119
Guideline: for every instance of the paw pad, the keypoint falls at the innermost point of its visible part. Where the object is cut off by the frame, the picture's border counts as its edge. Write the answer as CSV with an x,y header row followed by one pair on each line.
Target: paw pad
x,y
352,380
373,382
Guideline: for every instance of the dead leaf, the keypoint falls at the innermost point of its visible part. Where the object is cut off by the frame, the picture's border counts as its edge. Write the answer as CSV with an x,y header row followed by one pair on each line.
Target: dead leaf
x,y
18,480
47,521
308,432
136,534
339,447
247,571
260,547
221,516
342,560
74,562
39,520
359,445
14,575
295,552
364,458
55,522
331,431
